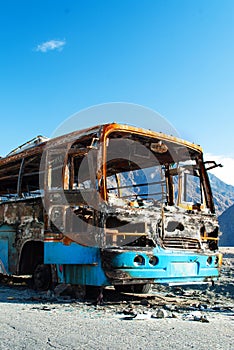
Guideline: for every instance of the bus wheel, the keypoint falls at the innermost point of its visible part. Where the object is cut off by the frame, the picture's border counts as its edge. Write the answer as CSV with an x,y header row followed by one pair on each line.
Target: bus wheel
x,y
133,288
42,277
141,288
123,289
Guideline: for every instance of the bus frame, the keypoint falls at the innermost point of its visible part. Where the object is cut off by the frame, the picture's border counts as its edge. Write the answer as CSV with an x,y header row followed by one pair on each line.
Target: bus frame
x,y
79,209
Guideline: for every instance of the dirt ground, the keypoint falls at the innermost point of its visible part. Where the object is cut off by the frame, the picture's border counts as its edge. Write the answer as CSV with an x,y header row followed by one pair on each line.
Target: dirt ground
x,y
167,318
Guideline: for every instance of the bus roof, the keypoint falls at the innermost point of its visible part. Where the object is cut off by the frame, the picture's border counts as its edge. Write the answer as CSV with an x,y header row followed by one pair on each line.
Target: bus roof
x,y
37,144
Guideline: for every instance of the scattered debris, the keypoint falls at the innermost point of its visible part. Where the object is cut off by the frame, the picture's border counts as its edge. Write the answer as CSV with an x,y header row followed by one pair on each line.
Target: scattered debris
x,y
161,313
60,288
199,304
195,316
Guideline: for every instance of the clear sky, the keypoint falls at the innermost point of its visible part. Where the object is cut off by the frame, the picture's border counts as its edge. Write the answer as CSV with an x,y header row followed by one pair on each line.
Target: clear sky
x,y
173,56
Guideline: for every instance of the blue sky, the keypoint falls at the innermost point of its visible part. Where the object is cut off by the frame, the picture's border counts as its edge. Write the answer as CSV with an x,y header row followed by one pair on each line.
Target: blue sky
x,y
173,56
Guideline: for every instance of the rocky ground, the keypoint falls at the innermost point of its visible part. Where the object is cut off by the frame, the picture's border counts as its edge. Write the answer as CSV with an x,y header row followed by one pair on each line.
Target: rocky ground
x,y
166,318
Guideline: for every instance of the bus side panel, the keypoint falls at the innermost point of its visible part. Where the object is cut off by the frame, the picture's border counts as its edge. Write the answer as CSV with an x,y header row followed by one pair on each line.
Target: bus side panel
x,y
8,253
88,275
60,253
76,264
4,255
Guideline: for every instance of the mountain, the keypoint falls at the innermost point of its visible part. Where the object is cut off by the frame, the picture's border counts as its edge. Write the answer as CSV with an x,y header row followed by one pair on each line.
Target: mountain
x,y
224,204
223,194
226,222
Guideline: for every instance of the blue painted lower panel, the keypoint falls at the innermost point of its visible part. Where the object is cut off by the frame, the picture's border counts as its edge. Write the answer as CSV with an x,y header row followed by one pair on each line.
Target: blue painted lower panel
x,y
8,252
85,275
59,253
78,264
171,266
158,274
4,256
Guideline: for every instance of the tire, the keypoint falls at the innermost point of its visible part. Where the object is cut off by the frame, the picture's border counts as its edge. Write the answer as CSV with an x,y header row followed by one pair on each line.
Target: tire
x,y
141,288
42,277
123,288
133,288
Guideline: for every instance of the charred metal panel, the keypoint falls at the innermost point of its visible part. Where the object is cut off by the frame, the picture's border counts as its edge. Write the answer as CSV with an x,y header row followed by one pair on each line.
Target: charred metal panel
x,y
20,222
21,212
169,226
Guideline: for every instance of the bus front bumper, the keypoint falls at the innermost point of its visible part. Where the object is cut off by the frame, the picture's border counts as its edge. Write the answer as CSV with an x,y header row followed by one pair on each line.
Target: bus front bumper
x,y
160,266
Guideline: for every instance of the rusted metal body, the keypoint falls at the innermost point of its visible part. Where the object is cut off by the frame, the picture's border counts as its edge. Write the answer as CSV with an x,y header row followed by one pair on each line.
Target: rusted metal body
x,y
112,204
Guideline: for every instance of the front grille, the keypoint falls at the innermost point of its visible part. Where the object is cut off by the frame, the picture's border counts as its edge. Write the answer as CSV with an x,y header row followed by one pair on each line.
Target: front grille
x,y
181,243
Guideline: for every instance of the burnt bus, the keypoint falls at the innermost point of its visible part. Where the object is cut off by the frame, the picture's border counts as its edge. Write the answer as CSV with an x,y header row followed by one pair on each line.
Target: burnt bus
x,y
109,205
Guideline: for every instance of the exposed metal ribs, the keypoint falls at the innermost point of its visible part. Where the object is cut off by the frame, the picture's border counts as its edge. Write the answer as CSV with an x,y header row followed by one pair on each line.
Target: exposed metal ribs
x,y
181,243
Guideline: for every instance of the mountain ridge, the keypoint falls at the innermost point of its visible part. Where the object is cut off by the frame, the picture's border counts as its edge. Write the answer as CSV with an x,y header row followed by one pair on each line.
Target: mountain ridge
x,y
226,222
223,194
224,203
